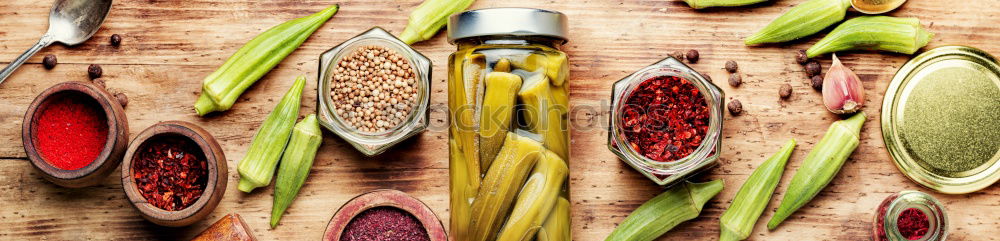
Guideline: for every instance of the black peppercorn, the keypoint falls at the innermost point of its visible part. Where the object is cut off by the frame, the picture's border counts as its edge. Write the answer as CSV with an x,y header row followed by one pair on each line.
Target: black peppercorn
x,y
731,66
813,68
116,40
94,71
735,80
801,57
785,91
707,77
735,107
122,99
692,56
817,82
49,61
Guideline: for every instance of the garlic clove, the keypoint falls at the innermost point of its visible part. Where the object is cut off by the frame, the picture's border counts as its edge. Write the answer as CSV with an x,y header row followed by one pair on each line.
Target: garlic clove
x,y
842,89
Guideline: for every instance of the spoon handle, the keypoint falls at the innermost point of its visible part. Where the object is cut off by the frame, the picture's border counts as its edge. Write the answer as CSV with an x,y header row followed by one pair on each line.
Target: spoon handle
x,y
42,43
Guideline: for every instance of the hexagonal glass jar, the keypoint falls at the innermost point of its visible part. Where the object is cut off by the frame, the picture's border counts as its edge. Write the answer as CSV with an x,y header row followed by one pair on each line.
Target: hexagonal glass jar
x,y
374,143
667,173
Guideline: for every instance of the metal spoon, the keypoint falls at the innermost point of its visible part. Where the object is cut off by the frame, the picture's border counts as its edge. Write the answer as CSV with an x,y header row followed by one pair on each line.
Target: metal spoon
x,y
70,22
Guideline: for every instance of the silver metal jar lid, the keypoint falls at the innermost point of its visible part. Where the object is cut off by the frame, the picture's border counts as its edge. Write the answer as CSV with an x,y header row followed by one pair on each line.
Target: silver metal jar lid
x,y
507,22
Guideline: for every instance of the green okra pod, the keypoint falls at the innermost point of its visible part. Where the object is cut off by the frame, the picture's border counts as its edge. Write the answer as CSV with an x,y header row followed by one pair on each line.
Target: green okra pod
x,y
536,199
295,164
820,166
900,35
665,211
257,167
221,89
738,220
699,4
557,225
803,20
429,17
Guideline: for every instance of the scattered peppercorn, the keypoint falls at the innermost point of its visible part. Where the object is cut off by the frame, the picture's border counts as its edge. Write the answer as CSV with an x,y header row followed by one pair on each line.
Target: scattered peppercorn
x,y
785,91
813,68
692,56
94,71
49,61
735,107
731,66
678,55
374,89
116,40
707,77
122,99
735,80
817,82
801,57
99,82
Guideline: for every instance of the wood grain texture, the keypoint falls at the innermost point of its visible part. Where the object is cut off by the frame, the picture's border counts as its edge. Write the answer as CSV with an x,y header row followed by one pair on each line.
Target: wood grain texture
x,y
170,45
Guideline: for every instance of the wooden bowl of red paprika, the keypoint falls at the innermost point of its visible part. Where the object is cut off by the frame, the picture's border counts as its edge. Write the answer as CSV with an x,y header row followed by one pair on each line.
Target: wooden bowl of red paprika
x,y
75,133
174,173
385,213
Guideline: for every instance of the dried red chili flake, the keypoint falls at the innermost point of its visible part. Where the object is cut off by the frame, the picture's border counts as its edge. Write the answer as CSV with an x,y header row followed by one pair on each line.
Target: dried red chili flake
x,y
665,118
170,172
384,224
912,223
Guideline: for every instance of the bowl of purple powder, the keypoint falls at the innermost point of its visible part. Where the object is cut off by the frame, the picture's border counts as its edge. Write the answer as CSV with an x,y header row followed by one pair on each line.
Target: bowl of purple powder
x,y
385,215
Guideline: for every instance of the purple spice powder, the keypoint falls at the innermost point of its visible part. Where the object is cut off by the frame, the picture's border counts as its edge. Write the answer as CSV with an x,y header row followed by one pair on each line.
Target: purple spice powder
x,y
384,224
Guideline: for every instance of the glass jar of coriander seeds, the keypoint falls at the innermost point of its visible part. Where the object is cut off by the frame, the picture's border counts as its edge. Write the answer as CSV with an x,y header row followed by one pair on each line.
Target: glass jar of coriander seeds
x,y
508,103
374,91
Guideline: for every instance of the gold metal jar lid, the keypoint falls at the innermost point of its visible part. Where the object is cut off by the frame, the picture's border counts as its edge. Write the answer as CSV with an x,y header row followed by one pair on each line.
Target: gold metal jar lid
x,y
941,119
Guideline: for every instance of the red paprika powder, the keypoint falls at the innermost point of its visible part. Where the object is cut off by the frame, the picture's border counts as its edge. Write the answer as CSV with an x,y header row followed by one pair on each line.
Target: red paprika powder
x,y
665,118
170,172
384,224
71,131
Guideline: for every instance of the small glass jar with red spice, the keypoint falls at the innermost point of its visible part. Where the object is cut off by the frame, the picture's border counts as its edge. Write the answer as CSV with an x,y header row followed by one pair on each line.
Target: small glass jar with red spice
x,y
910,215
666,121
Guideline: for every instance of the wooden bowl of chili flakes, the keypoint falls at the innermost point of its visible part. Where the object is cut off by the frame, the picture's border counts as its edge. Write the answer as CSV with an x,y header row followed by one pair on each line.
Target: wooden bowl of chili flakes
x,y
174,173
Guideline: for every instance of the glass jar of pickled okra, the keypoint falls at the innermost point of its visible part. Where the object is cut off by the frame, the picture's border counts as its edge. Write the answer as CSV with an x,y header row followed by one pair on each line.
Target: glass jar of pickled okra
x,y
666,121
374,91
508,103
910,215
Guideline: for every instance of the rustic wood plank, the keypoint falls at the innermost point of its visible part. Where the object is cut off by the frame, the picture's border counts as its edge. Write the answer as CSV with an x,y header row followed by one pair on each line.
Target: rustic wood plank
x,y
169,46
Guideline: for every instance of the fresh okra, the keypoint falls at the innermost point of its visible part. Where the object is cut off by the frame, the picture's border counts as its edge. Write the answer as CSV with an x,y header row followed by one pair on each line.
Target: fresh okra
x,y
536,199
221,89
257,167
557,225
803,20
295,164
738,220
900,35
429,17
699,4
544,115
496,113
500,185
820,166
665,211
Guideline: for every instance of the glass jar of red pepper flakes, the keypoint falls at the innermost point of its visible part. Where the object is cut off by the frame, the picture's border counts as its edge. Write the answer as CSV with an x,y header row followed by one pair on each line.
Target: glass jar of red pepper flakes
x,y
666,121
910,215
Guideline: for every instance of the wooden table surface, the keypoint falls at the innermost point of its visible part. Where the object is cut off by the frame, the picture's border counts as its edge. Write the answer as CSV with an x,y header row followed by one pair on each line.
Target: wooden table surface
x,y
170,45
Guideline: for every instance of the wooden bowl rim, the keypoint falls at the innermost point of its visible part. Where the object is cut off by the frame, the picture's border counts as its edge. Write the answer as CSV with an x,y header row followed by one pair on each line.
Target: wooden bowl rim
x,y
112,110
213,156
381,198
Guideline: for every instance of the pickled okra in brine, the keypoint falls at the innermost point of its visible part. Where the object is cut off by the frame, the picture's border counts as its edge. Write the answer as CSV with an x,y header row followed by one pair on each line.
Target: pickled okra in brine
x,y
509,142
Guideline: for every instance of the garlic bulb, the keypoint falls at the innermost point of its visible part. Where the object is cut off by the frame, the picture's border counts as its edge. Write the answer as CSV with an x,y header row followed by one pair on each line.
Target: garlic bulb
x,y
842,90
